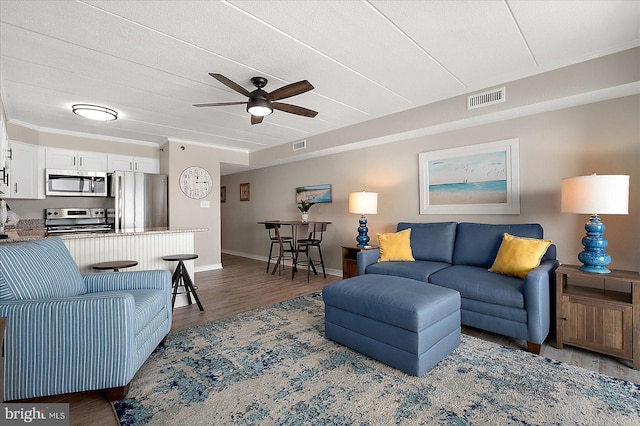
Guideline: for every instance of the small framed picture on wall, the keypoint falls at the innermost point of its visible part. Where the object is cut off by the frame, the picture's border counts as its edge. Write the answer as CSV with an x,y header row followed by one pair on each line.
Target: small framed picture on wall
x,y
223,194
244,191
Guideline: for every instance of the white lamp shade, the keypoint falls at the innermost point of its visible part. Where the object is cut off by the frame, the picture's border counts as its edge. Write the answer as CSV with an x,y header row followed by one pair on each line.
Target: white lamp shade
x,y
363,202
596,194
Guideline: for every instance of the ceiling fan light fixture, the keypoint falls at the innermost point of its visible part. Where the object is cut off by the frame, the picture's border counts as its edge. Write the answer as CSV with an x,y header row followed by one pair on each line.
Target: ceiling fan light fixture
x,y
95,112
259,107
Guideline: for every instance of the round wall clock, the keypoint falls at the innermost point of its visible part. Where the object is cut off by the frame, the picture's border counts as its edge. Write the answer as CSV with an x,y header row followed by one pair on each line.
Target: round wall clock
x,y
195,182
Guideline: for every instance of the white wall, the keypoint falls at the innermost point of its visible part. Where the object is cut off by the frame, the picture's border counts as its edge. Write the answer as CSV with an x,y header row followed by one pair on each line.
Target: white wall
x,y
602,137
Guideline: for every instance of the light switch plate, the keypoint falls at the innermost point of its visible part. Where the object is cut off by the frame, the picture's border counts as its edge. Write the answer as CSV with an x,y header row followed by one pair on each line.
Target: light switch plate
x,y
204,204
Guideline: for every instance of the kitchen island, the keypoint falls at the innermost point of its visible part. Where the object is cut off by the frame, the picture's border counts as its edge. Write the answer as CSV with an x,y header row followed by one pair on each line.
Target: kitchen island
x,y
147,247
144,246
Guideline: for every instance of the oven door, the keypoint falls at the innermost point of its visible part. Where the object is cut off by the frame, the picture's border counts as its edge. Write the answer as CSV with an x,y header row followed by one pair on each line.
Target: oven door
x,y
76,183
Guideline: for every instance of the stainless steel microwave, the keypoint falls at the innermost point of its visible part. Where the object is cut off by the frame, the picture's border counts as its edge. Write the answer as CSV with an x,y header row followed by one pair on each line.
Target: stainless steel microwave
x,y
76,183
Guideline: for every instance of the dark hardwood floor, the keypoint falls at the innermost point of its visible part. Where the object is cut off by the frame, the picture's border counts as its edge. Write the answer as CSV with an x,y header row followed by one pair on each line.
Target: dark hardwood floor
x,y
243,285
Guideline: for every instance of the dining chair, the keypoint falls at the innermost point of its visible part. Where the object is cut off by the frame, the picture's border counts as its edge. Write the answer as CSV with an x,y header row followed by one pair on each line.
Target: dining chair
x,y
275,236
316,231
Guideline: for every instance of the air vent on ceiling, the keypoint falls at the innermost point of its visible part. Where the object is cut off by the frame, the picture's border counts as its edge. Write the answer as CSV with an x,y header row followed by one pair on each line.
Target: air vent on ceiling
x,y
297,146
490,97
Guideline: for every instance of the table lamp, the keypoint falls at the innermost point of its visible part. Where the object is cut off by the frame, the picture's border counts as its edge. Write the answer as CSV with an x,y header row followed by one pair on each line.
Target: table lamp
x,y
595,194
363,203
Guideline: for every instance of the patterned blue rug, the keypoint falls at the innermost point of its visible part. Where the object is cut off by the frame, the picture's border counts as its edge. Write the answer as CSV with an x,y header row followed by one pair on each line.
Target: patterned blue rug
x,y
274,366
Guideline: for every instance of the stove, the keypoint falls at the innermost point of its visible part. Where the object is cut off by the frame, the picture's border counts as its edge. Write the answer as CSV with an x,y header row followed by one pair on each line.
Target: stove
x,y
76,220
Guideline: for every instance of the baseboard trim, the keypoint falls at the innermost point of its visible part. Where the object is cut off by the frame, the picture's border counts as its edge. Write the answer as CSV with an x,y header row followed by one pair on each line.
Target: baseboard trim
x,y
203,268
334,272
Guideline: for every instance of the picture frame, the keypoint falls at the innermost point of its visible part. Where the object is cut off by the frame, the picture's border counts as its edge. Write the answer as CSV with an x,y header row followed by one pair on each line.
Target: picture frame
x,y
223,194
475,179
244,191
314,193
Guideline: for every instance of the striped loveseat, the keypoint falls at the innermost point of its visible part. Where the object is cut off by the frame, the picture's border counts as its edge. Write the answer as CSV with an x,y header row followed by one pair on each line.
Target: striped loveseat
x,y
68,332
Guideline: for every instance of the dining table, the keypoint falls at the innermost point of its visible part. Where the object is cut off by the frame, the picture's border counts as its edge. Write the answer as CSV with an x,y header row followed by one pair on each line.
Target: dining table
x,y
295,225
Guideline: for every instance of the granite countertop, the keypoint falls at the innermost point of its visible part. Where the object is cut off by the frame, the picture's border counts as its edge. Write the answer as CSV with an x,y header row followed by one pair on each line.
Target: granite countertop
x,y
25,230
126,232
21,234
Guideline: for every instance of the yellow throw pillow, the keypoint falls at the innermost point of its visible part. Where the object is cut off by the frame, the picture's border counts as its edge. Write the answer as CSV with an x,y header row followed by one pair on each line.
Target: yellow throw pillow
x,y
395,246
518,256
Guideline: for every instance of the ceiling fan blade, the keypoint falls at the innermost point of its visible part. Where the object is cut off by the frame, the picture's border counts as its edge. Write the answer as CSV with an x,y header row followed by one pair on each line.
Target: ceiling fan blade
x,y
219,104
290,90
230,84
256,119
294,109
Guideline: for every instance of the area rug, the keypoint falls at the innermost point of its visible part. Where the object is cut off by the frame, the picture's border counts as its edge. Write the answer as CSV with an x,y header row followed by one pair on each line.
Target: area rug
x,y
274,366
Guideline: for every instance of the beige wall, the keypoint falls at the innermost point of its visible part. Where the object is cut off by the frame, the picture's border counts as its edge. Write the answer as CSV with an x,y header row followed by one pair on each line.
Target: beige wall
x,y
185,212
602,137
81,143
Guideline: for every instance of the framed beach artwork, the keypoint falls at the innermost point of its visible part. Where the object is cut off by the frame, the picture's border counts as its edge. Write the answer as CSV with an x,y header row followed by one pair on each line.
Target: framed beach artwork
x,y
476,179
314,194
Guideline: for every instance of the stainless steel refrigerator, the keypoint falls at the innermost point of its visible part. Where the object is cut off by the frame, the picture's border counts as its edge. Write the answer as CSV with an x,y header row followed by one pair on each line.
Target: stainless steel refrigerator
x,y
139,201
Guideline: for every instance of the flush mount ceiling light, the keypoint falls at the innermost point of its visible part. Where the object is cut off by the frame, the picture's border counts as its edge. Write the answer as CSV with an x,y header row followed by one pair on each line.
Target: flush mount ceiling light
x,y
95,112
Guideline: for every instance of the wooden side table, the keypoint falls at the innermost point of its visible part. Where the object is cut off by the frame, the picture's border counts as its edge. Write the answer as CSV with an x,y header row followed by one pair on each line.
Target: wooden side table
x,y
597,319
350,260
116,265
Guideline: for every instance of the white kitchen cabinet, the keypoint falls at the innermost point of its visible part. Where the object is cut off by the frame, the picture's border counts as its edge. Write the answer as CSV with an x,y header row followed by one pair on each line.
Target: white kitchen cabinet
x,y
4,148
146,165
128,163
25,168
67,159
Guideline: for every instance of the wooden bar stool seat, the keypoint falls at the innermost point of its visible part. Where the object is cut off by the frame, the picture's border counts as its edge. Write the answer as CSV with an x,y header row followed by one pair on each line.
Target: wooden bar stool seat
x,y
182,279
116,265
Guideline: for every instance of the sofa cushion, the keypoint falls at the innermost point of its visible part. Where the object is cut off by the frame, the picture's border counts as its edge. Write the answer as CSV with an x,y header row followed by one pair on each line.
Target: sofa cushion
x,y
479,284
148,303
432,241
40,269
395,246
518,256
477,244
419,270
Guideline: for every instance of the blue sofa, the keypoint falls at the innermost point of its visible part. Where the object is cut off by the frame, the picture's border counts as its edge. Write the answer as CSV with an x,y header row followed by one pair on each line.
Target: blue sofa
x,y
68,332
458,256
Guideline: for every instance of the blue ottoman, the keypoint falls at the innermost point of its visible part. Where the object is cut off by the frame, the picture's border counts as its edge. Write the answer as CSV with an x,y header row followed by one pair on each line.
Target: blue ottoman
x,y
407,324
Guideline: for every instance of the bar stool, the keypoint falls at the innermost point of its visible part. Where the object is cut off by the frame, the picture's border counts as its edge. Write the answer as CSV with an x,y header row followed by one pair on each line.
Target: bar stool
x,y
181,278
314,239
275,236
116,265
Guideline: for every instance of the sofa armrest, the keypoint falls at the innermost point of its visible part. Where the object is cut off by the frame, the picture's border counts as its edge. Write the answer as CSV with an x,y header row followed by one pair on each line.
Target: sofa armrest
x,y
366,258
63,345
538,287
133,280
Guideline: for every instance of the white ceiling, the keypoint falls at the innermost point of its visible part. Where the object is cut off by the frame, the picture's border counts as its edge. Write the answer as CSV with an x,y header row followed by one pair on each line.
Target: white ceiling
x,y
150,60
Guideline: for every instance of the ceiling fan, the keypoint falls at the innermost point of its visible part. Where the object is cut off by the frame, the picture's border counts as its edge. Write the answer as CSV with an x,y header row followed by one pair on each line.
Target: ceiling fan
x,y
261,103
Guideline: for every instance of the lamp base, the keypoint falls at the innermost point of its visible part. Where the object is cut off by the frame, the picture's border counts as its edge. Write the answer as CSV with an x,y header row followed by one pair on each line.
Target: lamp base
x,y
362,238
595,269
594,257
